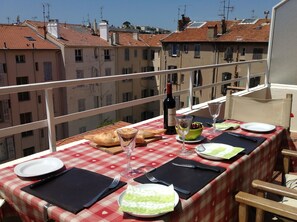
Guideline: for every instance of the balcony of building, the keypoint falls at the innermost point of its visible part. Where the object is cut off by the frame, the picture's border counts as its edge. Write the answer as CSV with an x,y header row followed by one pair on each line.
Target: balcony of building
x,y
278,80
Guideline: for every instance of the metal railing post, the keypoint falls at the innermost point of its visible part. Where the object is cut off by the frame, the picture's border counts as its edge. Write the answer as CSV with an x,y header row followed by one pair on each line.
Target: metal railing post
x,y
248,74
50,119
191,90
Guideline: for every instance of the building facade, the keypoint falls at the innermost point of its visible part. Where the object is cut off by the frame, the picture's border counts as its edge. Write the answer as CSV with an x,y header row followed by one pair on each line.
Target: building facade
x,y
214,42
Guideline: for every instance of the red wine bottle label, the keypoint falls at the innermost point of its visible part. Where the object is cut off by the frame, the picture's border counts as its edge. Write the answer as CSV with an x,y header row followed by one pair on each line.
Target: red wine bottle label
x,y
171,117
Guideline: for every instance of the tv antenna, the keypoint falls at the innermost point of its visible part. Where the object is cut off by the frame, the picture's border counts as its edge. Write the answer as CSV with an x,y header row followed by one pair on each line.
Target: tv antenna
x,y
226,9
101,13
8,20
46,5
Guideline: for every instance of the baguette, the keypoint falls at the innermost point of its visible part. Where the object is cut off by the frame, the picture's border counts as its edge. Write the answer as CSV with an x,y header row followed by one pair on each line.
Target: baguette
x,y
111,138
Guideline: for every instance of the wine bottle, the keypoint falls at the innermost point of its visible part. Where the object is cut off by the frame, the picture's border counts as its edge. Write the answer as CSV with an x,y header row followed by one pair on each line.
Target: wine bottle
x,y
169,111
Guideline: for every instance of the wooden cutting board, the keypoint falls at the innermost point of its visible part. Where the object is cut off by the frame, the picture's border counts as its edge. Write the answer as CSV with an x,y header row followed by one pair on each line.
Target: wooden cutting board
x,y
118,149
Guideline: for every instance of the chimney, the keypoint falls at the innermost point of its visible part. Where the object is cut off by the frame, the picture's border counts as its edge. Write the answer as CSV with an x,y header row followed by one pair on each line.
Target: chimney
x,y
95,27
103,28
224,26
53,28
135,36
183,22
212,31
115,38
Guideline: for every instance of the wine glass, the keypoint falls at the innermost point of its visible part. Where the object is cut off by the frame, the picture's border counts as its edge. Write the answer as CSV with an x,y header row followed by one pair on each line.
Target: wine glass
x,y
182,125
127,138
214,110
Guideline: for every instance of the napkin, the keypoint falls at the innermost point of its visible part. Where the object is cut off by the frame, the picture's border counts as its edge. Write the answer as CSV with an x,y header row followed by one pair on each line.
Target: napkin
x,y
248,145
226,126
73,189
185,178
148,201
221,151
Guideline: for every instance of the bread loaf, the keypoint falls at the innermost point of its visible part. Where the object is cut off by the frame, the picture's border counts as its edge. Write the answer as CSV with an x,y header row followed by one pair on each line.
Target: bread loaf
x,y
111,138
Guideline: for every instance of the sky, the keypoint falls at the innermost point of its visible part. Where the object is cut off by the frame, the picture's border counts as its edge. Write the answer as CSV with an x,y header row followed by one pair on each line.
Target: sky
x,y
156,13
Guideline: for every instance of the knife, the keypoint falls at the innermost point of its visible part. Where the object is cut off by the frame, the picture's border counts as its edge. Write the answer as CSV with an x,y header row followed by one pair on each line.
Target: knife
x,y
197,167
243,137
47,179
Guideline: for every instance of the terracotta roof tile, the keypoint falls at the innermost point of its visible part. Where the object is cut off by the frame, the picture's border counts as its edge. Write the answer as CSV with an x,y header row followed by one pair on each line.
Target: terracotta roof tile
x,y
22,37
73,35
153,40
258,32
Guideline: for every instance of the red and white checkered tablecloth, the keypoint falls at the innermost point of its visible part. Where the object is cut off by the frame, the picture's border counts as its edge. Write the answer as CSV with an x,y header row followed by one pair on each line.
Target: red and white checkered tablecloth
x,y
215,202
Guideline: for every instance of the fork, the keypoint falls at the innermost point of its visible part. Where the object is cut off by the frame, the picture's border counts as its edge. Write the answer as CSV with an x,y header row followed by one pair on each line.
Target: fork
x,y
153,179
113,184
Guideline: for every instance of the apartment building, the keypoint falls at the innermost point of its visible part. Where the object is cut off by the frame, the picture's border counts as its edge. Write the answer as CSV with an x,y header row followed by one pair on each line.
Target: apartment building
x,y
214,42
96,51
137,53
86,53
26,58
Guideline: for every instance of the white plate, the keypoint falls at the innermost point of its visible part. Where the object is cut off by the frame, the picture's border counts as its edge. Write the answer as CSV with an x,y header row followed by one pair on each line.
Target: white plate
x,y
212,146
257,127
148,186
38,167
197,140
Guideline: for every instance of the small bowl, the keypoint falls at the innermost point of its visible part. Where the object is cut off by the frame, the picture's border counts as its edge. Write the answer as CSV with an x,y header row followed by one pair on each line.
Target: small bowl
x,y
194,134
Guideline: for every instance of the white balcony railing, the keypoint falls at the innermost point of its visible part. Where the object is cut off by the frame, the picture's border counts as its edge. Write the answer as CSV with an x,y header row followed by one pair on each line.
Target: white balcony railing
x,y
51,121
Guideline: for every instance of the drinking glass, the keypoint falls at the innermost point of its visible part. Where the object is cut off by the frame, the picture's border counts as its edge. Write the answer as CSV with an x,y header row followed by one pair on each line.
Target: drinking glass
x,y
214,110
127,138
182,125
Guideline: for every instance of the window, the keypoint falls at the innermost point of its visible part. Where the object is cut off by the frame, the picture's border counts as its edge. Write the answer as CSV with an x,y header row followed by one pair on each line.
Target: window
x,y
26,118
195,100
145,54
152,54
197,51
106,54
96,101
4,68
109,99
242,53
29,151
225,76
182,78
127,96
175,50
78,55
228,55
255,81
144,93
172,77
135,53
81,105
48,71
23,96
20,59
257,53
128,119
197,78
79,74
96,52
36,66
3,152
4,111
108,71
127,54
147,115
82,129
186,48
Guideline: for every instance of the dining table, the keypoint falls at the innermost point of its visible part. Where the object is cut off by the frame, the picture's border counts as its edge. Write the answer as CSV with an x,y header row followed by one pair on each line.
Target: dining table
x,y
211,200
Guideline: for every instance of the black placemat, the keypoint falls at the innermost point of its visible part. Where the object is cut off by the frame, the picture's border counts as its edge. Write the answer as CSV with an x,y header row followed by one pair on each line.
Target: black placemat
x,y
73,189
185,178
248,145
207,122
